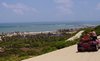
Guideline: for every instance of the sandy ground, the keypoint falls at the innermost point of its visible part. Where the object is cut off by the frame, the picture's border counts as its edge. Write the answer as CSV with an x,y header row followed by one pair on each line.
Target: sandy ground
x,y
68,54
98,37
76,36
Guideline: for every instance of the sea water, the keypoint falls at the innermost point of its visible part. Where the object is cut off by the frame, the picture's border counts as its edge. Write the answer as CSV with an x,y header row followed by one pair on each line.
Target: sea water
x,y
37,26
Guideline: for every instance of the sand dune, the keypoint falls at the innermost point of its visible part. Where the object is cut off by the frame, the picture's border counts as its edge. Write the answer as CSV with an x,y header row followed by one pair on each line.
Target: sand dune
x,y
76,36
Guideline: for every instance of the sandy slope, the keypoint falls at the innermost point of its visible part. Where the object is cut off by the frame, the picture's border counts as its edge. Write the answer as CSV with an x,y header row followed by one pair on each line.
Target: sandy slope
x,y
76,36
67,54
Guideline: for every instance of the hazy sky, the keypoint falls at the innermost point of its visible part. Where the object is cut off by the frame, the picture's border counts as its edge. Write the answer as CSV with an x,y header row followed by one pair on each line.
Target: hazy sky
x,y
49,10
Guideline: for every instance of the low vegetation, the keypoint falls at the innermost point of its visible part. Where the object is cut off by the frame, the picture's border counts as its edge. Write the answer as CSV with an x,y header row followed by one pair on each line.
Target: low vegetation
x,y
20,47
97,29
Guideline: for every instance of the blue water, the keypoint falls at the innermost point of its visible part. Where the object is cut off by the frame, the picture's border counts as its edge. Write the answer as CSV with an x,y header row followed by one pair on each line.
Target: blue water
x,y
37,26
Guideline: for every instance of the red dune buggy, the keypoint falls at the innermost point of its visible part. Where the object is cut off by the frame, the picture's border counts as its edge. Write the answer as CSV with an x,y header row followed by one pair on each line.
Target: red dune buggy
x,y
88,46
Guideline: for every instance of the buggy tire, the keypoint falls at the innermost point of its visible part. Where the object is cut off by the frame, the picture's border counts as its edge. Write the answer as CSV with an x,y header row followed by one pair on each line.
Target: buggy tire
x,y
96,48
79,50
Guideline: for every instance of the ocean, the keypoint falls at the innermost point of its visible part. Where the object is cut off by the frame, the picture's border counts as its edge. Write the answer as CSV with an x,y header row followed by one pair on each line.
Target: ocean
x,y
39,26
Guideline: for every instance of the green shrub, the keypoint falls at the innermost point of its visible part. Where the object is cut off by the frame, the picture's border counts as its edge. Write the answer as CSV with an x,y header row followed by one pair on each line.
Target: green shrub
x,y
59,44
48,49
97,29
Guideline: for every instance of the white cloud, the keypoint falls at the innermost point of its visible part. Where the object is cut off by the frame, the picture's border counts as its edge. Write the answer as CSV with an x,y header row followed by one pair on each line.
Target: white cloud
x,y
98,6
19,8
64,7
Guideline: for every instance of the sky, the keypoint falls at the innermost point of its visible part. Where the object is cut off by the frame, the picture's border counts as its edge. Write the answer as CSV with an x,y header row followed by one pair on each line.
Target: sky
x,y
49,10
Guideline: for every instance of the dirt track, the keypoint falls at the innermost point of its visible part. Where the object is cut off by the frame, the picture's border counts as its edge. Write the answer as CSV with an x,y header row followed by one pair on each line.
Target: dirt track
x,y
76,36
68,54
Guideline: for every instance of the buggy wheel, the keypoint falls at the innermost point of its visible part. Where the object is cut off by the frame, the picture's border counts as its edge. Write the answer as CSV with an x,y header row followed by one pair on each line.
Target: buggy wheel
x,y
79,50
96,48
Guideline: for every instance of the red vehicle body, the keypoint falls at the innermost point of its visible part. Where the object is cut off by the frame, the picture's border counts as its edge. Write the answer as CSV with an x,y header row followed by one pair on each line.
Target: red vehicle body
x,y
88,46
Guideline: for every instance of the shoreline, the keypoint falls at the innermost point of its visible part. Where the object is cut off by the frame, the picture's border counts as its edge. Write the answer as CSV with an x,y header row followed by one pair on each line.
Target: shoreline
x,y
7,28
57,32
72,30
24,33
